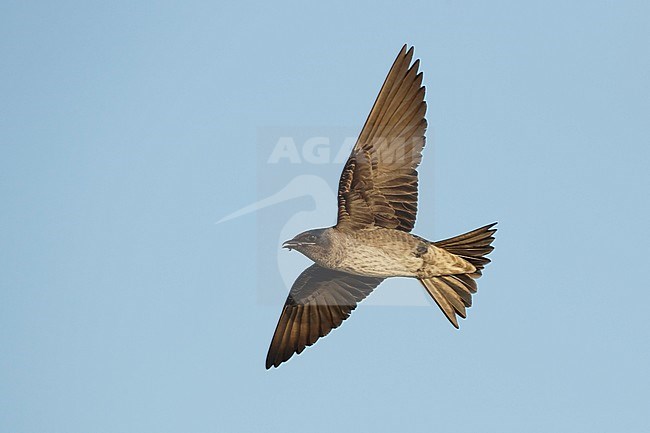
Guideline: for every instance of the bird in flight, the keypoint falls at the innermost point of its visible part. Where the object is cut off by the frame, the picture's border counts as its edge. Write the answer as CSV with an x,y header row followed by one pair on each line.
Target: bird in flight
x,y
372,240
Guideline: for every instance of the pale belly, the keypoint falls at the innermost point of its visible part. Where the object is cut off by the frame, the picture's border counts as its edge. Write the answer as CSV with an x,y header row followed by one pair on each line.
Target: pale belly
x,y
392,253
388,260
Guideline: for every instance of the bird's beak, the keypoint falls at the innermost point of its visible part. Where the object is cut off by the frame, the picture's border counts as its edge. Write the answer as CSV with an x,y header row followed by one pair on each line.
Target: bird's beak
x,y
291,244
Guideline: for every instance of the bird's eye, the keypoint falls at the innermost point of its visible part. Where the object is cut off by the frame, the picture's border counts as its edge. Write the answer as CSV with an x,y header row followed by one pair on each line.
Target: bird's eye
x,y
311,238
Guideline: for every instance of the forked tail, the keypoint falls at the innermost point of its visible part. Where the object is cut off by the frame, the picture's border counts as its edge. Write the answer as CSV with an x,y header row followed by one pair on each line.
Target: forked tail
x,y
453,293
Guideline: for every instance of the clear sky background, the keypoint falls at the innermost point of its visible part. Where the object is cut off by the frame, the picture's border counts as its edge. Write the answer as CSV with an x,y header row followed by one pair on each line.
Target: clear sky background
x,y
127,129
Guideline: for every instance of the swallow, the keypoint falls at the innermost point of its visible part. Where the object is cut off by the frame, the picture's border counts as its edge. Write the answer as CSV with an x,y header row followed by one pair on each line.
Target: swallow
x,y
372,239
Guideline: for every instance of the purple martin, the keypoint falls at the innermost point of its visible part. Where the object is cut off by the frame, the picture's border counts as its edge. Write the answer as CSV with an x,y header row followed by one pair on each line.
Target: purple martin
x,y
371,241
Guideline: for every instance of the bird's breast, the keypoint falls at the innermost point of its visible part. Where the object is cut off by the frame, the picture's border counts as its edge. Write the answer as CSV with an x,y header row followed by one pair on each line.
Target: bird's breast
x,y
379,259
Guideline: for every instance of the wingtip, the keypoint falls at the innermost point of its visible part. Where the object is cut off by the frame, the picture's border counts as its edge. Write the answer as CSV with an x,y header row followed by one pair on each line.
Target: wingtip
x,y
454,320
272,360
489,226
410,51
415,66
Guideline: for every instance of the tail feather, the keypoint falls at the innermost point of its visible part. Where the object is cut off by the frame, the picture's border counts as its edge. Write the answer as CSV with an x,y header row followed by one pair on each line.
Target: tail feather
x,y
453,293
446,300
472,246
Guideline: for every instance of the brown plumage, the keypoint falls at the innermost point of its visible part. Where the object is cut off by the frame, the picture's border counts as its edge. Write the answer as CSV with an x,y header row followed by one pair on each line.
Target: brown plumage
x,y
377,207
379,183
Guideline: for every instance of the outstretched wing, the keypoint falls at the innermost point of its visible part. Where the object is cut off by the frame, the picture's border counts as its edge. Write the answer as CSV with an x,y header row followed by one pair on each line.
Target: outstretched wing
x,y
379,183
319,301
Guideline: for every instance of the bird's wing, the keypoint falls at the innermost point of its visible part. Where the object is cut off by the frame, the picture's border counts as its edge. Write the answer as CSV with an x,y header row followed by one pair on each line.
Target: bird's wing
x,y
319,301
379,183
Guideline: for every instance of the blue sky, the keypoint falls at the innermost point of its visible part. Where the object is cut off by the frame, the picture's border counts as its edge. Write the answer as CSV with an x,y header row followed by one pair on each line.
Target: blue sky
x,y
127,130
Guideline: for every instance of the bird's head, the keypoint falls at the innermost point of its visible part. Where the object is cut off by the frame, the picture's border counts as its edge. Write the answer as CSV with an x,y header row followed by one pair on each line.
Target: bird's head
x,y
312,243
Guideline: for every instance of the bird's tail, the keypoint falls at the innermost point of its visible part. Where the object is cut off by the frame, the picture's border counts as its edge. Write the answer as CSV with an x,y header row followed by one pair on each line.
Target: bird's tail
x,y
453,293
